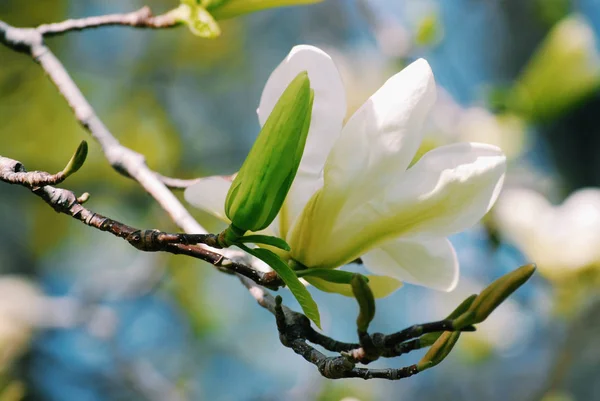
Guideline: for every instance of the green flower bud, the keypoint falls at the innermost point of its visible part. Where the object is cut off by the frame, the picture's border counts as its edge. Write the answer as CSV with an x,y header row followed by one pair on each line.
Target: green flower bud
x,y
366,302
498,291
260,187
222,9
439,350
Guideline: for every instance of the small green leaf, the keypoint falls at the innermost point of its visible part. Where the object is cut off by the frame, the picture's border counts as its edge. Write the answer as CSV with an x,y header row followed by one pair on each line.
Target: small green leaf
x,y
306,301
77,160
330,275
200,21
233,8
265,240
381,286
366,302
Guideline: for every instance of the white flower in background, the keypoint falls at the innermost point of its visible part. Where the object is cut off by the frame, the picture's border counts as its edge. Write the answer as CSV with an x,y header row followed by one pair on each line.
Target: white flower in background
x,y
562,239
451,122
355,195
21,309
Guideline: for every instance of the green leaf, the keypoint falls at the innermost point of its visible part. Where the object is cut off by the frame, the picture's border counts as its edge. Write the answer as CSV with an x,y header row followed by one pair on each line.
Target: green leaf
x,y
200,21
233,8
330,275
306,301
77,160
381,286
266,240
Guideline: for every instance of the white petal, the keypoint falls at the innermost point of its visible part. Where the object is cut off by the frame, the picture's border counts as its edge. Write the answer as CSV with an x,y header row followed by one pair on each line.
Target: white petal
x,y
447,191
329,109
381,138
427,262
574,229
519,215
375,147
209,195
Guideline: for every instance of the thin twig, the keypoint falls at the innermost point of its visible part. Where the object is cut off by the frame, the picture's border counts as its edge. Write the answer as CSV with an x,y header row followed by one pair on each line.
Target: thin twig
x,y
66,202
141,18
121,158
294,328
15,174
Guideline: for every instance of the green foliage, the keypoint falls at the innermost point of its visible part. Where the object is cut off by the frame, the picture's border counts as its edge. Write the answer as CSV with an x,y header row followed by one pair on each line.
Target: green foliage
x,y
330,275
77,160
234,8
307,303
265,240
381,286
201,15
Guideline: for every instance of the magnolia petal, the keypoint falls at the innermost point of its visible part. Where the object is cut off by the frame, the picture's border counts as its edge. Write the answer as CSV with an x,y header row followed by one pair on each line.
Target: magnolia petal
x,y
381,138
209,195
447,191
380,286
519,214
329,109
560,239
374,149
575,229
427,262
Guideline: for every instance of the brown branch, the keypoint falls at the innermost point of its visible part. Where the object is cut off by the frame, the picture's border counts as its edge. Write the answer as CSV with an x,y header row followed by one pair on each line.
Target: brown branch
x,y
16,174
141,18
65,201
295,331
294,328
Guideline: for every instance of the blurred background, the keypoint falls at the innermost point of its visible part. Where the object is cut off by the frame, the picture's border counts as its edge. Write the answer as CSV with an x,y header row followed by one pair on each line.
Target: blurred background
x,y
84,316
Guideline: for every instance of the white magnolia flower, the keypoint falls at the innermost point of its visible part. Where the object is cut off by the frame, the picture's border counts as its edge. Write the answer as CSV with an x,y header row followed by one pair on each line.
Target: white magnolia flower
x,y
452,122
21,310
560,239
355,194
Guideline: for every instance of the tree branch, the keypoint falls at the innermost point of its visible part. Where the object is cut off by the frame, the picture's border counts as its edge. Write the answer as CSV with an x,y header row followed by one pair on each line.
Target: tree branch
x,y
141,18
65,201
122,159
294,328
